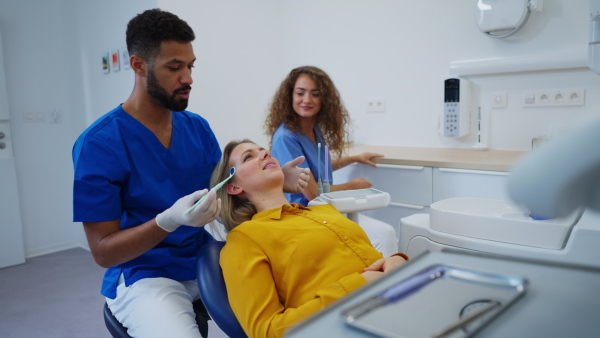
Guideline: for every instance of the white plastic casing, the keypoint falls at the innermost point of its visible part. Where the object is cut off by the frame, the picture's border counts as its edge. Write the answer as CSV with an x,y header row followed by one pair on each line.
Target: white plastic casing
x,y
417,236
347,201
456,118
499,15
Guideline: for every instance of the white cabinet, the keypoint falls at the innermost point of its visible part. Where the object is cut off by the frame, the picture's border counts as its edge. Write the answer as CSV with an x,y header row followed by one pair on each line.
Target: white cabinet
x,y
410,188
405,184
396,211
450,183
347,173
413,188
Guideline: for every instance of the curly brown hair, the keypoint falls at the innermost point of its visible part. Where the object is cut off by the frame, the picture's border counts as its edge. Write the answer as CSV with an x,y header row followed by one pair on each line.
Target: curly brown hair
x,y
333,119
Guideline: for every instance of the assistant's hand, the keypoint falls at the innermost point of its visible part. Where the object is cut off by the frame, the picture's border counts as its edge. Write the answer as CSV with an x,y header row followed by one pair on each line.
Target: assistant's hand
x,y
295,178
205,212
365,158
359,183
386,264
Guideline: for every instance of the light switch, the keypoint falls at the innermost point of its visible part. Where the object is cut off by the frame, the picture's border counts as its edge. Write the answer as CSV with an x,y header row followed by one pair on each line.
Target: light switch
x,y
530,99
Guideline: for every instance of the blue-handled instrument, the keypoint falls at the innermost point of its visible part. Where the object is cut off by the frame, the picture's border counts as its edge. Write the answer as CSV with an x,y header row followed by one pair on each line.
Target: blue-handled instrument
x,y
215,188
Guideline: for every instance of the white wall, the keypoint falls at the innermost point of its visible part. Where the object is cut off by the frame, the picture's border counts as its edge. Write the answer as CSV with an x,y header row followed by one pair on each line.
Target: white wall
x,y
42,74
239,50
52,53
100,27
400,50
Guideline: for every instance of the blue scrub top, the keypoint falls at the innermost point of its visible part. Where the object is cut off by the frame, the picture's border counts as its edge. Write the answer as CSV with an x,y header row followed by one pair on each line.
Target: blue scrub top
x,y
287,145
123,172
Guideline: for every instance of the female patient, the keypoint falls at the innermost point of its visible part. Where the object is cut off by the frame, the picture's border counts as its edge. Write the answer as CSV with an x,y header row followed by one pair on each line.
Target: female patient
x,y
283,262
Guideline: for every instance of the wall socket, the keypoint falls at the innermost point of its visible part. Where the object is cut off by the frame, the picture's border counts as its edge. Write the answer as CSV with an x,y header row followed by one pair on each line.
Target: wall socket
x,y
553,97
376,105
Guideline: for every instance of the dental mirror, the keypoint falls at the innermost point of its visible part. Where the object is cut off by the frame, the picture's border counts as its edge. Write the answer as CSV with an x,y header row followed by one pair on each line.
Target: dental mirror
x,y
215,188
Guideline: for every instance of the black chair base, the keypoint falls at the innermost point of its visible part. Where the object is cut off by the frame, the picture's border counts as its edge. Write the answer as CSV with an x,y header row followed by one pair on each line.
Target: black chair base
x,y
202,317
116,329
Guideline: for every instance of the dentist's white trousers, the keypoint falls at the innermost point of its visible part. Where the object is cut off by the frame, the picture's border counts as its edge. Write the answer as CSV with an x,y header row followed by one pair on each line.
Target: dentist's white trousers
x,y
157,307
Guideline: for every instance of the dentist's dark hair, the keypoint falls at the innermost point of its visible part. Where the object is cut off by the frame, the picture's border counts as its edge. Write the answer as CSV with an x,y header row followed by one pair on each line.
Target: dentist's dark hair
x,y
147,30
234,209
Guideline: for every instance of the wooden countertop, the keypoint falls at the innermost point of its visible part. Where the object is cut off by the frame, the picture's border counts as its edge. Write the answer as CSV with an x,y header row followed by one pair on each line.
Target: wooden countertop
x,y
493,160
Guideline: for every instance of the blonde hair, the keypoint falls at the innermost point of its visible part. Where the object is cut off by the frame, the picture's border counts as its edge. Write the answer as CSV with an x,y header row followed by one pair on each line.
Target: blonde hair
x,y
333,119
234,209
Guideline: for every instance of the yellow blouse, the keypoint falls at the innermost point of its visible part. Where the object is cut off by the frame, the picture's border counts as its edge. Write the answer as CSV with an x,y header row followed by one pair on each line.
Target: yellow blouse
x,y
287,263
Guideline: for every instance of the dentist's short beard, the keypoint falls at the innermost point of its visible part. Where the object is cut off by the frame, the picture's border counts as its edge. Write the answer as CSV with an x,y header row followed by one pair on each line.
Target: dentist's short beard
x,y
160,95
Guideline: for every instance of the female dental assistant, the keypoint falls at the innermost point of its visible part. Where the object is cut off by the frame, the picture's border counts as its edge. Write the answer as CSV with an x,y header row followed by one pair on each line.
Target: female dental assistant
x,y
307,110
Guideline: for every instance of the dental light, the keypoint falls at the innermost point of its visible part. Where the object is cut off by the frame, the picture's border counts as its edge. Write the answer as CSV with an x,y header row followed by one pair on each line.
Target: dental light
x,y
502,18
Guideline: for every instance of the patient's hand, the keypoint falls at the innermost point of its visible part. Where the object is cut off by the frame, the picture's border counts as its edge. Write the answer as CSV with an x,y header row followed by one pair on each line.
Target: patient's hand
x,y
371,275
386,264
295,178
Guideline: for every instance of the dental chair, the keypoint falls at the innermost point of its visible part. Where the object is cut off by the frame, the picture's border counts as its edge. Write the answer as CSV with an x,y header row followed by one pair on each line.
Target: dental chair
x,y
213,291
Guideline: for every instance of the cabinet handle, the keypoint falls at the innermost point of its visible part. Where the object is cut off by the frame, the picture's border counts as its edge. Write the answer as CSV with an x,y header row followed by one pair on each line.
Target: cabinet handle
x,y
397,166
410,206
482,172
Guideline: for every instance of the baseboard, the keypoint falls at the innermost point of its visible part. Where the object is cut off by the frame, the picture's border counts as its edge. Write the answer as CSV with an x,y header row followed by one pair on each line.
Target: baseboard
x,y
52,249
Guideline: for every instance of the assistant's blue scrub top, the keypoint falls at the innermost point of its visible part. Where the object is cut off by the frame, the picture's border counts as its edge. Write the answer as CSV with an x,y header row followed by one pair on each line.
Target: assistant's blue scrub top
x,y
123,172
287,145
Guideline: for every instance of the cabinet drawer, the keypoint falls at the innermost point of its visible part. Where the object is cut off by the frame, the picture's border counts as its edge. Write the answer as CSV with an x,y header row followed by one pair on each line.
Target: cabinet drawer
x,y
405,184
450,183
347,173
395,211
